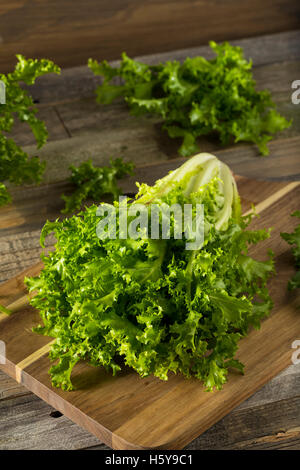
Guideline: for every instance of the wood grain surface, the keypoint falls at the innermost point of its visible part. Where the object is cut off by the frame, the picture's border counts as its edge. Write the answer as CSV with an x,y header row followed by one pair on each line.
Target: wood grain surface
x,y
136,413
81,129
52,28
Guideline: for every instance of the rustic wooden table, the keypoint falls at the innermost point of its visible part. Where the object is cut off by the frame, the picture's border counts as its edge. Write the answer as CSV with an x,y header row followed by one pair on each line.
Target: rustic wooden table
x,y
81,129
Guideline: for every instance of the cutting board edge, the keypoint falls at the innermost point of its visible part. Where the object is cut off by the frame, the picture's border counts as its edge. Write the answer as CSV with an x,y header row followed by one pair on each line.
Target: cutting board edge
x,y
112,438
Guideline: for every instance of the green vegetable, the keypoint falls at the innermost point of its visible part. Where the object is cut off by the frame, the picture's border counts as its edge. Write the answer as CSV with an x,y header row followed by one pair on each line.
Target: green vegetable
x,y
294,240
196,98
5,310
95,182
15,165
151,302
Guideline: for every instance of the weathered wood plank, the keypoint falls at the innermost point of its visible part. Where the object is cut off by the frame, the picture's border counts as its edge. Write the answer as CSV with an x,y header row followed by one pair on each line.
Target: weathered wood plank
x,y
148,145
107,28
80,81
10,389
26,423
243,428
288,440
277,77
19,252
23,135
285,385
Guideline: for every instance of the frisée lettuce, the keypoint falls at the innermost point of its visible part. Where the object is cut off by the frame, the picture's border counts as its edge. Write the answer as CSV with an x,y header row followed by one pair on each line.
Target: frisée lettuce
x,y
148,303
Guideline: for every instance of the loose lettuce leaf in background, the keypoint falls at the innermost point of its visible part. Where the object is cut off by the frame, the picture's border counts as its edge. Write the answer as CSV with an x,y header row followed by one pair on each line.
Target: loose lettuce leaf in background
x,y
197,97
95,182
293,239
15,165
159,307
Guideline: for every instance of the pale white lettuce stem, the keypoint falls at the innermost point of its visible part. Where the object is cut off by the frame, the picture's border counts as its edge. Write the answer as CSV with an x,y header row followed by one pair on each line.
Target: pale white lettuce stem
x,y
202,169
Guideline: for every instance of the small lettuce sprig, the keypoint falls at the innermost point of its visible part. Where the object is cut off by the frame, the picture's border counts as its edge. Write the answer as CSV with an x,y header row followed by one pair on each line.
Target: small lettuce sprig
x,y
197,97
15,164
92,182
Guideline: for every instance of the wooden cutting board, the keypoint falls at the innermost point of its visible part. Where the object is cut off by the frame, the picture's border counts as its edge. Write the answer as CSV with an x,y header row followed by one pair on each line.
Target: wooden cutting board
x,y
127,412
